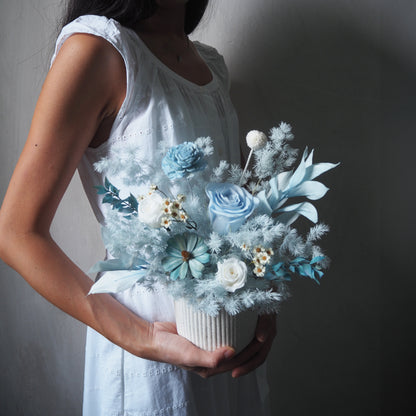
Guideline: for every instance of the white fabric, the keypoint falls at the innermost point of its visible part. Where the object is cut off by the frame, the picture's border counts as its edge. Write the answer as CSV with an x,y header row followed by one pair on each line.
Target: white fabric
x,y
159,103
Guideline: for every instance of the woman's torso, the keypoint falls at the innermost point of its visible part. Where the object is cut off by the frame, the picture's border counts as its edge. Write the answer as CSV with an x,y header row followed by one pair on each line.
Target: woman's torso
x,y
159,104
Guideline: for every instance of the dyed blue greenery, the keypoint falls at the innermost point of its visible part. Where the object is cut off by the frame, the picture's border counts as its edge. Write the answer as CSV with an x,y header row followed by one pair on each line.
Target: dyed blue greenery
x,y
111,194
301,266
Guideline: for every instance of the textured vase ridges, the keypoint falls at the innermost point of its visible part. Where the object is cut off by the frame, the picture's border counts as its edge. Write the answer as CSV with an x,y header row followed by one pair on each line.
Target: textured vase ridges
x,y
210,332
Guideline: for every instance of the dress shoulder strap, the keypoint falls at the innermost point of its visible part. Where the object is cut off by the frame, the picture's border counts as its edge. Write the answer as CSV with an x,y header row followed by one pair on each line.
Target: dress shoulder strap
x,y
215,61
114,33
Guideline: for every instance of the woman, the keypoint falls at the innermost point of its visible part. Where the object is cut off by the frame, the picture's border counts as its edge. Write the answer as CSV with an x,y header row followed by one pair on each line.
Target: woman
x,y
125,71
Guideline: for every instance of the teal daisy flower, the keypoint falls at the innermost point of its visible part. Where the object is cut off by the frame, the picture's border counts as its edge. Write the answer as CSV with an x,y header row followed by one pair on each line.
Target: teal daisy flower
x,y
185,252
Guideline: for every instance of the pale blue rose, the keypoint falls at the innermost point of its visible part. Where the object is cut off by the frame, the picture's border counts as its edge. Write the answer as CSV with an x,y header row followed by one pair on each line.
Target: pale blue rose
x,y
183,159
229,206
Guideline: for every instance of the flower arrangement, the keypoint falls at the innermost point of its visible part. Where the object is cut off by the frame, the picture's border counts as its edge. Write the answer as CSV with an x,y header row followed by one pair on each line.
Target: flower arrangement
x,y
219,236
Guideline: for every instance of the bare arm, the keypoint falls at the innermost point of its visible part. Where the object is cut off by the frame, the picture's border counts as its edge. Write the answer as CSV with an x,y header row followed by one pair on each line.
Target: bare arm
x,y
84,89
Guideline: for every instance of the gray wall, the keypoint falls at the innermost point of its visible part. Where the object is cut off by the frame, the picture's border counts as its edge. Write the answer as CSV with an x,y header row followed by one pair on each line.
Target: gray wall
x,y
342,72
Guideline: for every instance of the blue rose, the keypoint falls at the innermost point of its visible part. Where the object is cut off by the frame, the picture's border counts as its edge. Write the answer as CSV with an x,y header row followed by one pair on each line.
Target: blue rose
x,y
229,206
182,160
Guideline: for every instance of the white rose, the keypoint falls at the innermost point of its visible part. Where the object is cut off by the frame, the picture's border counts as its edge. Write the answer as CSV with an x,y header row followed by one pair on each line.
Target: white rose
x,y
232,274
150,210
256,139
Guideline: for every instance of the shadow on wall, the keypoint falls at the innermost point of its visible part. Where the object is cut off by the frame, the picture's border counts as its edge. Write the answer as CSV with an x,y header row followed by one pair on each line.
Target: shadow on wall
x,y
346,347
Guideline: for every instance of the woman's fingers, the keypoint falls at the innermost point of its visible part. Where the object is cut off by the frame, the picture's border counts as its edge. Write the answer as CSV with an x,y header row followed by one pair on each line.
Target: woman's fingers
x,y
247,353
256,361
266,327
256,353
170,347
209,359
235,362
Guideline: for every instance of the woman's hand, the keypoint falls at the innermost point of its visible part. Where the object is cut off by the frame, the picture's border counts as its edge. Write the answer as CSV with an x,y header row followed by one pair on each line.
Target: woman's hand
x,y
168,346
256,352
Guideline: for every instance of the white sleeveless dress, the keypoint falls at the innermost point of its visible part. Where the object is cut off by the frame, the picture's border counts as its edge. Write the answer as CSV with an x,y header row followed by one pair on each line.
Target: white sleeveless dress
x,y
159,103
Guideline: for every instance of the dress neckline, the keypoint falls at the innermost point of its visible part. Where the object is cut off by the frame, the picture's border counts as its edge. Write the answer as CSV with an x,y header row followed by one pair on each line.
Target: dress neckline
x,y
209,86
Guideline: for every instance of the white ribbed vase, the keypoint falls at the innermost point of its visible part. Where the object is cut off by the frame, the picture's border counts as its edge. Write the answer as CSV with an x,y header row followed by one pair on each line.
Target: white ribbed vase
x,y
210,332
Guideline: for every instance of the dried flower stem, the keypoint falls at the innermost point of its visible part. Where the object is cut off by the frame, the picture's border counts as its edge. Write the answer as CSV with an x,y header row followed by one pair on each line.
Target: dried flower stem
x,y
245,167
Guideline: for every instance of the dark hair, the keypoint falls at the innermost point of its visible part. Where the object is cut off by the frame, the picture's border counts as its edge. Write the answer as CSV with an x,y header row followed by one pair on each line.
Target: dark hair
x,y
129,12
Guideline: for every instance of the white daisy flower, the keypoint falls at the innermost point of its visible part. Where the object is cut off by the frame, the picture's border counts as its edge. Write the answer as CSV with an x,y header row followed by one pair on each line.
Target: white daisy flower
x,y
166,222
259,270
263,257
244,247
174,213
183,216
